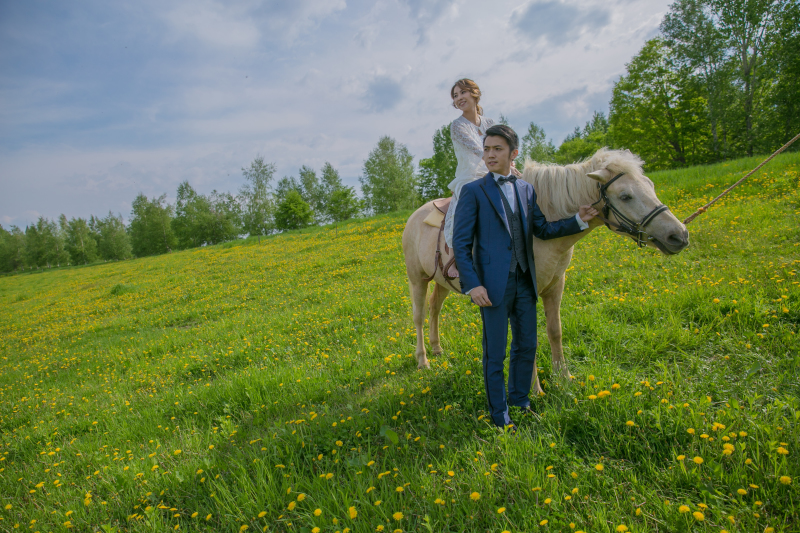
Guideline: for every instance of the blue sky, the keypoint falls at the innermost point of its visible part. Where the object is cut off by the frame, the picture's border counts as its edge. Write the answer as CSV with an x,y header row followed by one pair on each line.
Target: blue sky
x,y
102,100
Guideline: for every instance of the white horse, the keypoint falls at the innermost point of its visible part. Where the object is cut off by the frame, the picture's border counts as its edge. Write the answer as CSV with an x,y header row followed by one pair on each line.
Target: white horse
x,y
612,180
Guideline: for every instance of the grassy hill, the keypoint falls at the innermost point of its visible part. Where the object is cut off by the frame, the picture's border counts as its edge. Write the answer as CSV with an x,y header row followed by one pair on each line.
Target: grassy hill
x,y
271,386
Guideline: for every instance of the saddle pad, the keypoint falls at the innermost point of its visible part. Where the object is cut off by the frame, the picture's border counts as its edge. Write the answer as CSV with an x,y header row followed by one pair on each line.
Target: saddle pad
x,y
434,218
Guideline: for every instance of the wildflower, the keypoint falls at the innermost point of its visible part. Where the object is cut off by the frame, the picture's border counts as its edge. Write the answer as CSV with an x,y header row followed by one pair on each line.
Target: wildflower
x,y
208,517
501,510
543,523
698,516
262,514
378,502
475,496
178,452
317,512
315,530
379,528
698,460
622,528
451,473
785,480
782,450
194,514
741,492
291,506
598,467
398,516
301,497
683,509
681,457
244,527
629,423
399,489
547,501
690,431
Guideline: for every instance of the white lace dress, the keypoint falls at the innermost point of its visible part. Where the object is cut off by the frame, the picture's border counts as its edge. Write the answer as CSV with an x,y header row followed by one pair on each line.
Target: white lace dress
x,y
468,144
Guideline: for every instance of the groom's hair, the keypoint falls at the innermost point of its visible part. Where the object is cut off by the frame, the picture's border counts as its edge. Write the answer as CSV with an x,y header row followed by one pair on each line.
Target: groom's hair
x,y
501,130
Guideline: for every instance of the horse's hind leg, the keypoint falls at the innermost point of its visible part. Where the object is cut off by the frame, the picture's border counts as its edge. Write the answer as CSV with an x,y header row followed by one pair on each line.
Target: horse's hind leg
x,y
552,310
419,290
437,299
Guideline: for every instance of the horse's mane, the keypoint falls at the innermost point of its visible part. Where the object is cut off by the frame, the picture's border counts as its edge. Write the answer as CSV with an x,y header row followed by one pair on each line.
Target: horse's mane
x,y
561,190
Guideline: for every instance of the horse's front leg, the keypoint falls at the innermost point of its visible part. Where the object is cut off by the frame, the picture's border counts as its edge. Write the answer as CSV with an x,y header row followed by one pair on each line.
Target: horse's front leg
x,y
419,290
437,300
552,310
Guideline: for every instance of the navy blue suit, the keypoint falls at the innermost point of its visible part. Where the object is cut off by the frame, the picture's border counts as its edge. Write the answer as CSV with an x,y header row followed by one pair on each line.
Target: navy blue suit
x,y
482,246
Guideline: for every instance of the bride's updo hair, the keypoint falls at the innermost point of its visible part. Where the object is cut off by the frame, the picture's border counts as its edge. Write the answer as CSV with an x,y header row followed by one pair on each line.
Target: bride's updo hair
x,y
472,87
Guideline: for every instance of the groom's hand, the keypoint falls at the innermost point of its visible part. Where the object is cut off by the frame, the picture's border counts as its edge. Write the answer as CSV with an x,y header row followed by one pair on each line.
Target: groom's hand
x,y
587,213
480,296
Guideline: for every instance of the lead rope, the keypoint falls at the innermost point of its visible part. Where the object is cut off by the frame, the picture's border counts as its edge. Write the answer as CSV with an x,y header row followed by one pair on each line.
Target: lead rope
x,y
729,189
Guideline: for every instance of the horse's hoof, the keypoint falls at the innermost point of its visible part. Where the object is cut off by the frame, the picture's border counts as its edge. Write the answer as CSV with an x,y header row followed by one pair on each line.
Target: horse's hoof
x,y
424,365
437,350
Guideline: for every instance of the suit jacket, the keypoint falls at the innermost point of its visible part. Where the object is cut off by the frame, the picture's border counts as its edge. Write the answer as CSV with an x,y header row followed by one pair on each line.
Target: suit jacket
x,y
482,238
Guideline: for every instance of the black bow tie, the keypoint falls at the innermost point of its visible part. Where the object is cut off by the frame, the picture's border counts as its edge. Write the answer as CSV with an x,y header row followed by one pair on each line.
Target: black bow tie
x,y
503,180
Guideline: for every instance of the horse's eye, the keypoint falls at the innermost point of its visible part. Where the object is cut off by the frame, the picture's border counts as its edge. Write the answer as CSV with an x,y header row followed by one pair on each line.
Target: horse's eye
x,y
625,197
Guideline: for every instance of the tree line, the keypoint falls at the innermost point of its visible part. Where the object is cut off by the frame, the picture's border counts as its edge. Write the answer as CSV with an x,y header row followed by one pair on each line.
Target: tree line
x,y
262,207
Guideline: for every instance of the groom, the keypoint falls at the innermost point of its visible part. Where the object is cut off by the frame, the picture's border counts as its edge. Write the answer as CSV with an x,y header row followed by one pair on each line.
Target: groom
x,y
495,221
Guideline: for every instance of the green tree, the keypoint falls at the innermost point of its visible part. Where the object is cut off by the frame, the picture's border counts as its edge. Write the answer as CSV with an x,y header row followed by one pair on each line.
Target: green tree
x,y
313,193
285,185
44,245
79,241
113,241
225,217
535,146
437,171
151,228
783,59
388,181
12,247
583,144
699,46
750,27
339,202
258,206
293,212
658,111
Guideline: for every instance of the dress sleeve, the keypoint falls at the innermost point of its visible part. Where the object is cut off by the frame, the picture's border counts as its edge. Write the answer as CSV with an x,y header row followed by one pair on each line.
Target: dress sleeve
x,y
459,133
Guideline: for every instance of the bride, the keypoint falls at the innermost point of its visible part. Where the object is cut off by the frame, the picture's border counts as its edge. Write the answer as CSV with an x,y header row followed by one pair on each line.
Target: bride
x,y
467,132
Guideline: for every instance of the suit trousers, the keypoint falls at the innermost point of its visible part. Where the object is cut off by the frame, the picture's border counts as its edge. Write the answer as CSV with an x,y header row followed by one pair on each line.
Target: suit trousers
x,y
518,305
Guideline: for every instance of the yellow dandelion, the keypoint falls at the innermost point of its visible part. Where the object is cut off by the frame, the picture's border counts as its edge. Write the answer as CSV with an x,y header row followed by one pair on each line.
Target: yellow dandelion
x,y
543,523
301,497
598,467
244,527
475,496
698,460
622,528
291,506
741,492
501,510
547,501
317,512
629,423
683,509
399,489
786,480
194,514
262,514
315,530
681,457
698,516
352,512
398,516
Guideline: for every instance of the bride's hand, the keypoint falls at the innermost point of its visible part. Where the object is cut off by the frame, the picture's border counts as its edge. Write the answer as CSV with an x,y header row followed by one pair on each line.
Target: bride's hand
x,y
515,171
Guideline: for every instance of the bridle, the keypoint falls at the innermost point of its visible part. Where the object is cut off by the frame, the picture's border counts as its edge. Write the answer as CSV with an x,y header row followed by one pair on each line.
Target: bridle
x,y
624,224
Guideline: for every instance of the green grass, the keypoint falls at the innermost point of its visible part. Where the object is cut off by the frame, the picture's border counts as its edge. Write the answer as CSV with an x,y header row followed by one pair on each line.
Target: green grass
x,y
208,390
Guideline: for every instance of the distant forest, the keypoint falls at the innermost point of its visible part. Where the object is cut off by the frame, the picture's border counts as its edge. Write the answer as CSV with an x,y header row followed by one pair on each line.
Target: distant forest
x,y
720,81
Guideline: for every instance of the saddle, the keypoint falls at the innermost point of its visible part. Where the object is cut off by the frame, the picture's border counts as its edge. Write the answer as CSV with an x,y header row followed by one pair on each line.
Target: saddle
x,y
437,218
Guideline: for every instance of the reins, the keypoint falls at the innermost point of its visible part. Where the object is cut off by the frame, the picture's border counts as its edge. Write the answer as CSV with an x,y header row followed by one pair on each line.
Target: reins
x,y
729,189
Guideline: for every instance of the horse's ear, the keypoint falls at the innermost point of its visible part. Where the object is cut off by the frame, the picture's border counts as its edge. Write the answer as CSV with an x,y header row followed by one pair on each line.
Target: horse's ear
x,y
602,175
